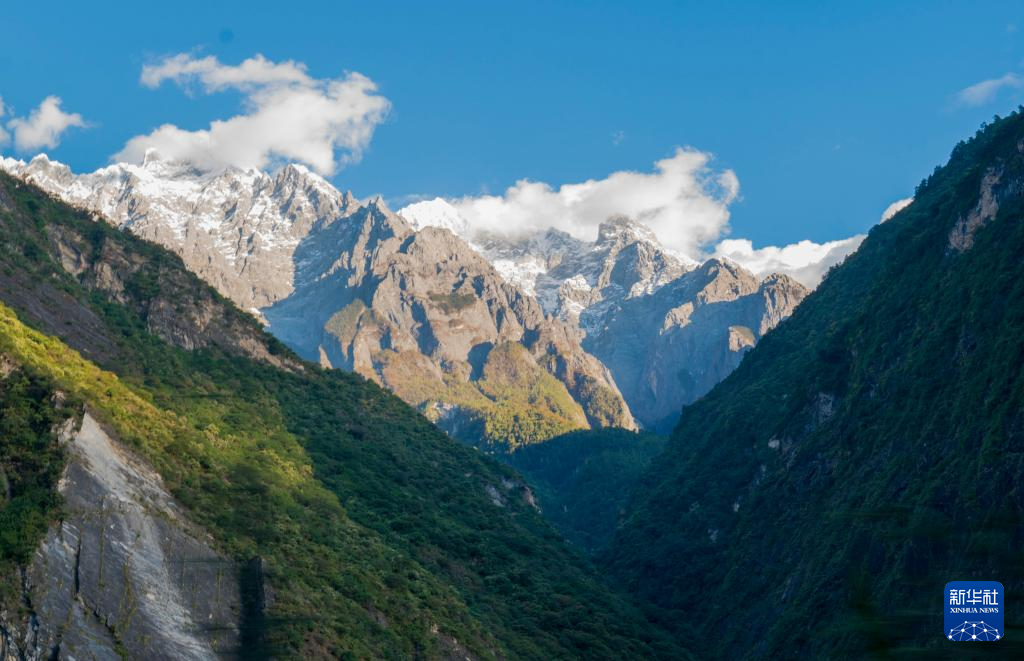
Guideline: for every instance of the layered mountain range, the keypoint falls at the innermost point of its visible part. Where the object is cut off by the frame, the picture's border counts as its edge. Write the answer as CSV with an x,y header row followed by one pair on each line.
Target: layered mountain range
x,y
502,339
667,327
177,484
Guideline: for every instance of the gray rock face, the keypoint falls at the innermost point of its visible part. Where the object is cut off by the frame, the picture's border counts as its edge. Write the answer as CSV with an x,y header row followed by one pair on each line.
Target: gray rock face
x,y
237,230
691,333
293,248
124,574
418,309
667,328
420,312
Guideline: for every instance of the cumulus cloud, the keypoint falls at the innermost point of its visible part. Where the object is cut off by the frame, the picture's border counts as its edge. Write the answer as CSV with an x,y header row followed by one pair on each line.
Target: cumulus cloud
x,y
287,115
983,92
895,208
684,201
806,261
43,127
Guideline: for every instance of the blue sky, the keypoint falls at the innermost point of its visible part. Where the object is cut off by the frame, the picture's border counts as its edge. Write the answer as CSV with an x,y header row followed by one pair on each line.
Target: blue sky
x,y
825,113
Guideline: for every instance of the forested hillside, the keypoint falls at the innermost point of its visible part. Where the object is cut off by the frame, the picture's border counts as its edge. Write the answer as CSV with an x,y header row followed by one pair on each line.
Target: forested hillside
x,y
584,480
866,452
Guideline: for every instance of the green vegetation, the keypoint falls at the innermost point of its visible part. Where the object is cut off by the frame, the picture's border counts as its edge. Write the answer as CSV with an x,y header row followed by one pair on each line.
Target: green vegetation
x,y
31,461
515,402
584,480
866,452
604,409
344,323
453,302
380,536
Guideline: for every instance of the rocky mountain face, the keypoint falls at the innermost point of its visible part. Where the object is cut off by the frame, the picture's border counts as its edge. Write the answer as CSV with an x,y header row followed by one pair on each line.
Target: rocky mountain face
x,y
124,573
868,450
236,230
667,328
691,333
497,338
352,286
426,316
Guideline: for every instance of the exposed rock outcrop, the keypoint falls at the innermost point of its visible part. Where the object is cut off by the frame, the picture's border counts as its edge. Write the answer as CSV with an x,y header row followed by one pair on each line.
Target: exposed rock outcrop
x,y
695,331
235,229
420,312
418,309
124,574
292,247
667,328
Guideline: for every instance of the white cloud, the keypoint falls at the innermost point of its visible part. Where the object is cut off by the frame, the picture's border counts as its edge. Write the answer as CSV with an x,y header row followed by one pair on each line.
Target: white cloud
x,y
683,201
895,208
983,92
805,261
43,127
249,75
288,115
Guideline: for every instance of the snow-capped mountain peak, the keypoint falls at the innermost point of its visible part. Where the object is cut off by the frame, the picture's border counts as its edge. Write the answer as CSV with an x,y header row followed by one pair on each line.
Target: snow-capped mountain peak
x,y
435,213
236,228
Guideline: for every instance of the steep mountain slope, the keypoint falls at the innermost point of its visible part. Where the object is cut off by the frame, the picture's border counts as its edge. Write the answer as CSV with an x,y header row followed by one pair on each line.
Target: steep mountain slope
x,y
313,260
666,327
691,333
426,316
354,527
237,230
867,451
584,480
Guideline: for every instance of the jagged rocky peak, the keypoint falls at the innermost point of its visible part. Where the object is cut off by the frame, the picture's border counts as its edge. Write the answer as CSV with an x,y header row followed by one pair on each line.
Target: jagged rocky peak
x,y
424,314
723,280
622,230
435,213
419,299
697,328
238,229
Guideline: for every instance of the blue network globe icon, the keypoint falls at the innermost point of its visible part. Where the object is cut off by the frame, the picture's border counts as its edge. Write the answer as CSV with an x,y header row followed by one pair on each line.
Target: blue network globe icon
x,y
978,631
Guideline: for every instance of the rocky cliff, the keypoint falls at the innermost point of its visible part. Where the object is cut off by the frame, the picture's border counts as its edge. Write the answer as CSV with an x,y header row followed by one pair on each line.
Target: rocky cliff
x,y
425,315
419,309
378,536
124,573
236,229
666,327
695,331
311,260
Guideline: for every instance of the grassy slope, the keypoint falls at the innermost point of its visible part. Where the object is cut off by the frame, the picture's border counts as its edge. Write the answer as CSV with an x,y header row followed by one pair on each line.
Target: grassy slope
x,y
377,530
864,454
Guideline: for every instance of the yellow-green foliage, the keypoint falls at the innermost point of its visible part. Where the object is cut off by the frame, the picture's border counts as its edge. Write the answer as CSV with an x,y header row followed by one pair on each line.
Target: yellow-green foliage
x,y
516,401
344,323
218,450
450,303
603,407
409,374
